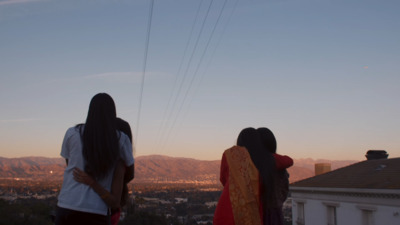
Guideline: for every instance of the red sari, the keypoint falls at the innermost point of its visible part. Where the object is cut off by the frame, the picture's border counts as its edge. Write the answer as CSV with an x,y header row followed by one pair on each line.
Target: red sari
x,y
239,203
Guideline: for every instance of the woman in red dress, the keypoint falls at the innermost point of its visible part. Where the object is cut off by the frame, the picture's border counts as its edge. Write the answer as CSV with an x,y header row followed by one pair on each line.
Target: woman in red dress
x,y
248,174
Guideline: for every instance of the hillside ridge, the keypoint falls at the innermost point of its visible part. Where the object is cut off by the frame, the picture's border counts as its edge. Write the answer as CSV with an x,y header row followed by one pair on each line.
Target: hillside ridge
x,y
150,169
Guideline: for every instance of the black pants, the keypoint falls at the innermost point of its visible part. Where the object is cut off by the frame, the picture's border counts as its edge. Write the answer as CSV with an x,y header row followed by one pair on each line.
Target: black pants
x,y
72,217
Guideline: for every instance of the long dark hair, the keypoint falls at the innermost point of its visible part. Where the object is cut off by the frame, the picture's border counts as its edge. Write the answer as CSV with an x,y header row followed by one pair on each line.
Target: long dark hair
x,y
281,178
268,139
99,136
262,159
124,127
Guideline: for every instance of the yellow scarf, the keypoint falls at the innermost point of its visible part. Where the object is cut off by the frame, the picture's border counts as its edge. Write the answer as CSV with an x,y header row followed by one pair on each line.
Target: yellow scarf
x,y
243,187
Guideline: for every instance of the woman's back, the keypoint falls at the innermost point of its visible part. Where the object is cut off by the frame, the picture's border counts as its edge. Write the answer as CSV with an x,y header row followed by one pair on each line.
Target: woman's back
x,y
80,197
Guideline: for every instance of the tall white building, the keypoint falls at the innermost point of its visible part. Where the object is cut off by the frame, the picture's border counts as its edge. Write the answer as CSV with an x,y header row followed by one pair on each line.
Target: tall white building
x,y
365,193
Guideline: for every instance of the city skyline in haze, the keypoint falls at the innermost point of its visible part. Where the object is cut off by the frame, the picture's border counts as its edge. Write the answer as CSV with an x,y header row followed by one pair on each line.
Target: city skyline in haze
x,y
322,75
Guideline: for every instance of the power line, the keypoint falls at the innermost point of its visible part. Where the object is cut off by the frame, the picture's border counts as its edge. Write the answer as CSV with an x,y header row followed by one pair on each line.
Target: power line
x,y
219,39
197,68
189,62
212,56
163,121
205,50
144,68
201,60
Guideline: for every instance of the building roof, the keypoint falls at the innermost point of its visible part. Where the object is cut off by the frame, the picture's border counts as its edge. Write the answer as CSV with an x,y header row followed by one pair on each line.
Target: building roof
x,y
370,174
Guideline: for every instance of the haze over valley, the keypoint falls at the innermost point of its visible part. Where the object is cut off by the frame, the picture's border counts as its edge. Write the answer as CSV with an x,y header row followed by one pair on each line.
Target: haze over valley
x,y
149,169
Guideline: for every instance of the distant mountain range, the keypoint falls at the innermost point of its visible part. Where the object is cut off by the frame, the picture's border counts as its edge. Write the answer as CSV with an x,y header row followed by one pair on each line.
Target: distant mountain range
x,y
149,169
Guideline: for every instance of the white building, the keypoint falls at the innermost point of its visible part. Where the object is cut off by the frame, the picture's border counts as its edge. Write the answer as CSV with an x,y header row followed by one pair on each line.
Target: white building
x,y
365,193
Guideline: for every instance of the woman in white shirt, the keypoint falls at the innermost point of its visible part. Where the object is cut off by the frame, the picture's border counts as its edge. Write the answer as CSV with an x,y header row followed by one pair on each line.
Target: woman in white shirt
x,y
95,147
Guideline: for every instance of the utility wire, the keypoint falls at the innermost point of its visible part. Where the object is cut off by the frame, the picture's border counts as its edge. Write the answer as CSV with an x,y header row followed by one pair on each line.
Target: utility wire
x,y
211,57
144,68
190,60
218,42
163,121
198,66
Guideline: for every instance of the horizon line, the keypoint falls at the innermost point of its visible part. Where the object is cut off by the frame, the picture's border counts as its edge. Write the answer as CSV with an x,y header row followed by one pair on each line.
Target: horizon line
x,y
183,157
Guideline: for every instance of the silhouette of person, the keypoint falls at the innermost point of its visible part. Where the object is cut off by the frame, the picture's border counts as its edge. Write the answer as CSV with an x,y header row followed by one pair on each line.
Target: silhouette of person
x,y
247,174
121,178
99,149
273,212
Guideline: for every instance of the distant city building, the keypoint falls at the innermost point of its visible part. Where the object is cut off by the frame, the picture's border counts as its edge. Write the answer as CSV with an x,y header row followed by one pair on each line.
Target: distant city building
x,y
321,168
365,193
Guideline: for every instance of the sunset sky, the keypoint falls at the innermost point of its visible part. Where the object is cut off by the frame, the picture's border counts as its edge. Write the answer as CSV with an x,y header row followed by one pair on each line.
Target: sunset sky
x,y
323,75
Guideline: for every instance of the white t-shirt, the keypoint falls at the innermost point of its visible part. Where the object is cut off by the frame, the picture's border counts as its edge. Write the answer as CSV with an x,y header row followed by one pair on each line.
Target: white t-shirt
x,y
81,197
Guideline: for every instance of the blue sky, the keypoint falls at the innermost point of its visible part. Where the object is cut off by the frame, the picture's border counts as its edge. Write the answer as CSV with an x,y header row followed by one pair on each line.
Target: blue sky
x,y
322,75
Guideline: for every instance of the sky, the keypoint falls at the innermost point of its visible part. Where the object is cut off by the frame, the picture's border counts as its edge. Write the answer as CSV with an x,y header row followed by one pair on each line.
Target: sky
x,y
189,75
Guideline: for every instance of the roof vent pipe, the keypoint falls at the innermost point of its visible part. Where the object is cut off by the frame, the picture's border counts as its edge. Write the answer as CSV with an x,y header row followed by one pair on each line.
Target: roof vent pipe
x,y
376,154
